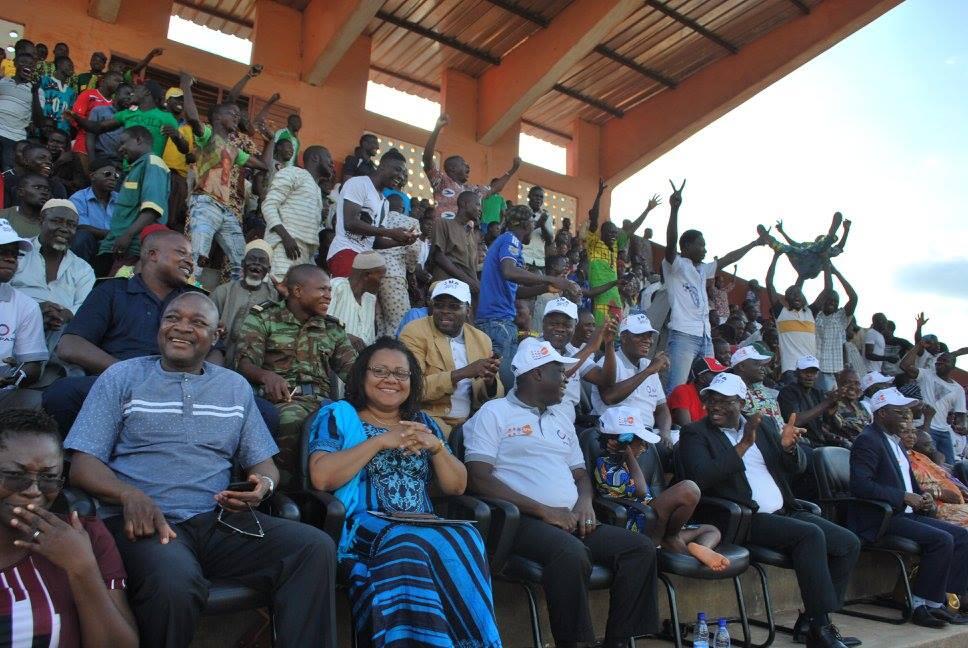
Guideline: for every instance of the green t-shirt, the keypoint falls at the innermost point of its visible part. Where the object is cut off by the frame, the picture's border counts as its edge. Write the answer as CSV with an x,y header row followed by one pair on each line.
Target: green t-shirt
x,y
491,209
153,120
622,239
144,187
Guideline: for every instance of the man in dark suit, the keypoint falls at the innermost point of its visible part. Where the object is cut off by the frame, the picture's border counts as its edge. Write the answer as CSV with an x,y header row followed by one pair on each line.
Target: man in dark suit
x,y
879,470
748,461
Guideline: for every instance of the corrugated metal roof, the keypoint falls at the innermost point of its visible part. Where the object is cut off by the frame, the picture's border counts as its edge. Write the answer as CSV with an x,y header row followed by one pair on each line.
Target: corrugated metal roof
x,y
649,37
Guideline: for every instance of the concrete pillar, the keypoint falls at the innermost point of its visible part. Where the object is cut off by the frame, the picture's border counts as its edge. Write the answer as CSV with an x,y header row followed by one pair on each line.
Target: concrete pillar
x,y
275,41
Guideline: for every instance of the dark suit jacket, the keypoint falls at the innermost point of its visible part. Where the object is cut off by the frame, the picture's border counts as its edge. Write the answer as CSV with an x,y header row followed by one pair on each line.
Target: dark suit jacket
x,y
876,475
707,457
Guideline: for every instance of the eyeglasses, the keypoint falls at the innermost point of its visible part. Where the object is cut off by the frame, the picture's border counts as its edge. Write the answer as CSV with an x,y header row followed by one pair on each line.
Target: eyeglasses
x,y
402,375
258,533
18,482
110,174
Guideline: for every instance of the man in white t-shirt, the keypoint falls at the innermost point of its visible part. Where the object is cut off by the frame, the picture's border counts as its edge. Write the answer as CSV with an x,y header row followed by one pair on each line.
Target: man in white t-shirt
x,y
685,274
21,329
795,324
875,343
523,450
941,392
360,211
637,383
558,327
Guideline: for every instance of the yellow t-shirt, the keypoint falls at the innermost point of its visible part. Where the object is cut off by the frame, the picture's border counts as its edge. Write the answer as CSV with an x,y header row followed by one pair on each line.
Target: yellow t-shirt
x,y
7,68
174,158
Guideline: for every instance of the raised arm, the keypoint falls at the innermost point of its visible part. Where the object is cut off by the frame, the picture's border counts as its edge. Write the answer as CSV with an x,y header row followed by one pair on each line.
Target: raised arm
x,y
143,63
909,361
236,91
851,304
499,184
621,390
779,228
672,229
919,323
428,154
730,258
828,287
264,111
771,294
593,212
185,81
654,202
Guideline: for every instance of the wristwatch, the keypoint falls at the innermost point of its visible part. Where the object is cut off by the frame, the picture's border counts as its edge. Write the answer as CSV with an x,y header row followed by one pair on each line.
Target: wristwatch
x,y
436,451
272,484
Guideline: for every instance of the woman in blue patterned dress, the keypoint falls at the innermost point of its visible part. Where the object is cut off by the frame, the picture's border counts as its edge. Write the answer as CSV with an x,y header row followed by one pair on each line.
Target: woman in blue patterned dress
x,y
411,583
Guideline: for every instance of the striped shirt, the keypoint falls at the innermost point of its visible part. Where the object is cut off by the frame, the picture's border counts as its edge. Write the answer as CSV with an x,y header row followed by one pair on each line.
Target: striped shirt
x,y
798,336
831,335
37,607
16,101
175,436
294,201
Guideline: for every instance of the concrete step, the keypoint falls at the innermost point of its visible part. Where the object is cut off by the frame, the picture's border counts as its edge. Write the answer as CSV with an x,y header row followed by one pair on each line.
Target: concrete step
x,y
874,575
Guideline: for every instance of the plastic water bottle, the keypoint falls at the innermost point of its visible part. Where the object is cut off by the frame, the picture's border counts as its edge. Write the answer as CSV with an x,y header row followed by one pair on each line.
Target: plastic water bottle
x,y
722,635
701,636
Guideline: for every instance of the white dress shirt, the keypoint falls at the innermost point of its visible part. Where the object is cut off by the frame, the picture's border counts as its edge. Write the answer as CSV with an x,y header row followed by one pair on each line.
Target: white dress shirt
x,y
903,464
765,491
460,400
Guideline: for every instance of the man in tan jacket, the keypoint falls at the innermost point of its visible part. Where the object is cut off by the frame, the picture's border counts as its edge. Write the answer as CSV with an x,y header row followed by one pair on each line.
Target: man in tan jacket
x,y
460,369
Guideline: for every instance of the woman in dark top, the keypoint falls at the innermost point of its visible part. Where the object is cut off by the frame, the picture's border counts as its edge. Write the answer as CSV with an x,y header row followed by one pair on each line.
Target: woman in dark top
x,y
61,581
413,581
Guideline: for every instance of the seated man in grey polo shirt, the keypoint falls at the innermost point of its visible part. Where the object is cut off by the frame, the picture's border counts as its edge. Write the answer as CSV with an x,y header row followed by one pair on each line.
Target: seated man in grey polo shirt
x,y
524,450
156,441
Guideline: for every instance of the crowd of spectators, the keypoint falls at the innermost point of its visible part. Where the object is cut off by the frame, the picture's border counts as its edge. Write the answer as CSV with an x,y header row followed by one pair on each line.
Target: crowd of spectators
x,y
183,306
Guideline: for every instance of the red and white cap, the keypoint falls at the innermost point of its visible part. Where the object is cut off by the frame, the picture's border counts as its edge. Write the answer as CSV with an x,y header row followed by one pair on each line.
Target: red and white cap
x,y
533,353
626,420
727,384
890,396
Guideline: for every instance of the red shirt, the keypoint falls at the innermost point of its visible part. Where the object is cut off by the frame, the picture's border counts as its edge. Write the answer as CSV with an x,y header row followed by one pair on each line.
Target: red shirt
x,y
686,397
36,603
83,105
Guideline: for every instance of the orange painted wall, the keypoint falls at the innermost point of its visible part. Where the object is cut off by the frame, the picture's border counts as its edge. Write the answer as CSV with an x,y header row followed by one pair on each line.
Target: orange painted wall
x,y
333,114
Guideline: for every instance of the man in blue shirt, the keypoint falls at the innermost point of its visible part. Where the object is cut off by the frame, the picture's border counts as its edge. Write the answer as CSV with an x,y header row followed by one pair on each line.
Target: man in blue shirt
x,y
119,320
156,441
95,204
504,279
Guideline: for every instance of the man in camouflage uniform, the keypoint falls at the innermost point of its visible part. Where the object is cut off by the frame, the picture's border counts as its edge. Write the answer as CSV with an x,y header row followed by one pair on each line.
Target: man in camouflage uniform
x,y
288,349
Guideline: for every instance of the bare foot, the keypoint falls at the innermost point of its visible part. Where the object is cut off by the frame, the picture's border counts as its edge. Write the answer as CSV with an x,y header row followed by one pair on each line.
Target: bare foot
x,y
708,557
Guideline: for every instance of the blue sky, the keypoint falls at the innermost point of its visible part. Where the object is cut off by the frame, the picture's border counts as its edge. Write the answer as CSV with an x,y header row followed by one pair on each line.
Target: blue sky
x,y
875,128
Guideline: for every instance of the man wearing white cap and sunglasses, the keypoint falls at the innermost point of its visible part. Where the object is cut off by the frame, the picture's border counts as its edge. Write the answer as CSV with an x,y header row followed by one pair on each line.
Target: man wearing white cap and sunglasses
x,y
749,463
880,470
22,346
522,450
459,365
558,327
751,363
637,383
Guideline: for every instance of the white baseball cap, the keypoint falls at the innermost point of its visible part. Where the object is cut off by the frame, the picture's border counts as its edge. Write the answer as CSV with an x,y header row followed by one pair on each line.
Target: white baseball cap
x,y
561,305
9,235
636,324
746,353
890,396
453,287
808,362
874,378
533,353
727,384
626,420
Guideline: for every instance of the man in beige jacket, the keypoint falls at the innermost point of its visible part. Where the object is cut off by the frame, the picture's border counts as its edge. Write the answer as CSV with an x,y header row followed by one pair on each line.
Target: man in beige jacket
x,y
459,367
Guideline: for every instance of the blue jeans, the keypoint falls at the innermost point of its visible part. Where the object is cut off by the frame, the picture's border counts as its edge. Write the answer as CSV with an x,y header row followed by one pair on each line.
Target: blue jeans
x,y
683,349
504,342
942,441
212,220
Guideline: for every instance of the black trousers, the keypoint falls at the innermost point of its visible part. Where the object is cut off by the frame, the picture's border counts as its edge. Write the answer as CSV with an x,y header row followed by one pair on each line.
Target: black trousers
x,y
567,561
944,555
823,555
168,584
65,397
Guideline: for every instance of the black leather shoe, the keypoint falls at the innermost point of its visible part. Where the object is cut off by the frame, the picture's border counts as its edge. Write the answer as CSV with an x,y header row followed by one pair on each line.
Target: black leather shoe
x,y
825,637
800,629
850,642
948,615
923,617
